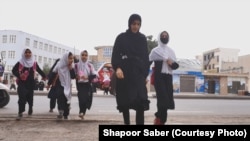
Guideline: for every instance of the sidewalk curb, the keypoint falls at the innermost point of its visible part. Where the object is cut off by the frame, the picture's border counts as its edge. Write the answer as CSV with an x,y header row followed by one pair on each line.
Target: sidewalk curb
x,y
153,95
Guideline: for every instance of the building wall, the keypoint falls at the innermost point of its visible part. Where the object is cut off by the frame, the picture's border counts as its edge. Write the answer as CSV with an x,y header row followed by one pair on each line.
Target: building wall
x,y
11,49
215,57
104,54
48,56
223,85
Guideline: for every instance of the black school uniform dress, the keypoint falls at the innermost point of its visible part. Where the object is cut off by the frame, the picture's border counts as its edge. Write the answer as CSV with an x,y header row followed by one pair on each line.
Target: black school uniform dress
x,y
26,87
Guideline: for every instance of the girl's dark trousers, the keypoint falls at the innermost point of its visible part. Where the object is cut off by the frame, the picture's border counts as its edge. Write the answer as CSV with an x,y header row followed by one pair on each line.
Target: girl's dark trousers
x,y
83,96
25,95
62,102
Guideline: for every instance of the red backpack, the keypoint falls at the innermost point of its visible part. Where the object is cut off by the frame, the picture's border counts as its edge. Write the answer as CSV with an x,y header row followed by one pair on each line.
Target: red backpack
x,y
26,73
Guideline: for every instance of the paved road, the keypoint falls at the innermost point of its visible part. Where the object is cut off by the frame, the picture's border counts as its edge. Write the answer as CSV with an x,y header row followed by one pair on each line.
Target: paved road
x,y
200,106
43,125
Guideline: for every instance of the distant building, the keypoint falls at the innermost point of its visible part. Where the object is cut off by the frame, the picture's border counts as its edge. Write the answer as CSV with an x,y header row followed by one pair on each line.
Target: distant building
x,y
226,72
213,59
104,54
45,51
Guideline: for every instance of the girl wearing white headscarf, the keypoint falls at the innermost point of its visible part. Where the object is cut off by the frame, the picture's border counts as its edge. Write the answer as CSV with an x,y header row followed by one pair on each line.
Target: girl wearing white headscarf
x,y
164,63
85,72
65,71
25,70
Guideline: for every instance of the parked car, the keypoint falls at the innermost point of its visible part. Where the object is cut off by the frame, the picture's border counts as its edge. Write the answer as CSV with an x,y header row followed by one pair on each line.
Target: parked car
x,y
4,95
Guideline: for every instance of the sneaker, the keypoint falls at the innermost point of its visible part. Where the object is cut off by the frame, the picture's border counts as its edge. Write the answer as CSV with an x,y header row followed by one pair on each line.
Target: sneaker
x,y
19,116
65,117
51,110
81,115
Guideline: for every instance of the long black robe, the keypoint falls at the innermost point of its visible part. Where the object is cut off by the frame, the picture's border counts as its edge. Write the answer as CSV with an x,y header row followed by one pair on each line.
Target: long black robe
x,y
163,87
130,53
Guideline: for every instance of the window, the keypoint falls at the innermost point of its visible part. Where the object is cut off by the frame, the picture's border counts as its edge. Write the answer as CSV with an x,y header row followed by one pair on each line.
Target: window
x,y
50,48
3,54
4,38
35,57
40,59
40,45
55,49
11,54
107,52
12,38
35,44
46,47
27,42
59,51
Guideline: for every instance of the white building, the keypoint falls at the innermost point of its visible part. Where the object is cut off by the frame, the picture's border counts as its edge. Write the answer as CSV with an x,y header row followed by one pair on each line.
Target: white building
x,y
213,59
45,51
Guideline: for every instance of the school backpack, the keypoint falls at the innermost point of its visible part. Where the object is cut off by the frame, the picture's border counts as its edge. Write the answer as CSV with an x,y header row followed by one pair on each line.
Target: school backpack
x,y
26,73
92,78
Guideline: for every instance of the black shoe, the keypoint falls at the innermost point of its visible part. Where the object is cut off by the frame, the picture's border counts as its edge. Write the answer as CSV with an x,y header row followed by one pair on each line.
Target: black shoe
x,y
30,111
60,116
65,117
19,116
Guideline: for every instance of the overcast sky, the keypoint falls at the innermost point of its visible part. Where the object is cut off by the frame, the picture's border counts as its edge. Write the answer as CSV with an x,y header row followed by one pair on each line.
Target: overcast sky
x,y
194,26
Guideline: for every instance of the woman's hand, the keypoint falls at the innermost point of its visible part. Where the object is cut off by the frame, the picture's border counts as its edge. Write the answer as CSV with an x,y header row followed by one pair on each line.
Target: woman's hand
x,y
169,62
119,73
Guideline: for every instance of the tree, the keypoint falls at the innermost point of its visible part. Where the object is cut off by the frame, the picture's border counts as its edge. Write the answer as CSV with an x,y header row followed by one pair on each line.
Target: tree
x,y
46,68
151,43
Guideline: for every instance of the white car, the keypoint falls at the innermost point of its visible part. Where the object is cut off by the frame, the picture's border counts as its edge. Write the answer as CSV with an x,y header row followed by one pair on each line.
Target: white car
x,y
4,95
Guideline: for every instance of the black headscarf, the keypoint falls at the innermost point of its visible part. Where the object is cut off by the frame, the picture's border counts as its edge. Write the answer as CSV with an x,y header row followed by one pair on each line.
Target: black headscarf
x,y
132,18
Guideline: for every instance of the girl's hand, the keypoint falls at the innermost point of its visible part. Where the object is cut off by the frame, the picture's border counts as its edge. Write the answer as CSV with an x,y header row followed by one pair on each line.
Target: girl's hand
x,y
83,77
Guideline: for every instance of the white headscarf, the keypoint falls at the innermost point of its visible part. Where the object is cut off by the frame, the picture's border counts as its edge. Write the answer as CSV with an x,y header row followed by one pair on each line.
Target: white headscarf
x,y
64,75
162,53
27,62
83,66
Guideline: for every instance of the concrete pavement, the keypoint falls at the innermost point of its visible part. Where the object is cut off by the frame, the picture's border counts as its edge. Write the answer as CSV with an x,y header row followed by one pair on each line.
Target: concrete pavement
x,y
100,113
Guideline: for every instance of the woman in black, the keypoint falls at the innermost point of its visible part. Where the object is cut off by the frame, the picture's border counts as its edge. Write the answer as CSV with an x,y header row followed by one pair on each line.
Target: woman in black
x,y
25,70
164,63
131,64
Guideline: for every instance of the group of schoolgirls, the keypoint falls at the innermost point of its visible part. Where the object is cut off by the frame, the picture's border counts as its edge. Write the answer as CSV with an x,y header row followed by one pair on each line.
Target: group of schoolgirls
x,y
59,79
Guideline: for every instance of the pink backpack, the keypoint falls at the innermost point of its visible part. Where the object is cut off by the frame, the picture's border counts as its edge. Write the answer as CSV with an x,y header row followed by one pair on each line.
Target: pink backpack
x,y
26,73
